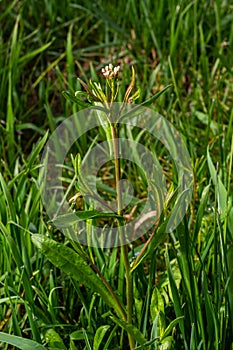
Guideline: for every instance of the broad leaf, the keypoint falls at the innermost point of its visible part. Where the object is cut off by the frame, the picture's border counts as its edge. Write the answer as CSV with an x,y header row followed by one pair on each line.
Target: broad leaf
x,y
54,340
76,267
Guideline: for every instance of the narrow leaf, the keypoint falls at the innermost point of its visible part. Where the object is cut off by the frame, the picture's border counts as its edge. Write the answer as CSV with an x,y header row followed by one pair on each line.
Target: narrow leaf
x,y
33,53
72,98
100,333
219,187
36,151
132,330
146,103
170,327
130,87
70,219
156,96
21,343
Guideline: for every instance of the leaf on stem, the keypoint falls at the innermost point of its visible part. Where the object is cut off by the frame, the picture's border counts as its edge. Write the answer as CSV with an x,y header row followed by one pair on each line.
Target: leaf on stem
x,y
75,266
70,219
132,330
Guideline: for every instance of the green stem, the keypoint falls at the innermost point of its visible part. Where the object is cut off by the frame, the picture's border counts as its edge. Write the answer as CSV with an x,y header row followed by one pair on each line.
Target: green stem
x,y
129,291
120,309
114,132
124,248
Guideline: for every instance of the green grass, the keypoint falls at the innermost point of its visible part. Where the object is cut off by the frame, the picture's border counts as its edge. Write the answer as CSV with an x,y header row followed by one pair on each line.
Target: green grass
x,y
183,283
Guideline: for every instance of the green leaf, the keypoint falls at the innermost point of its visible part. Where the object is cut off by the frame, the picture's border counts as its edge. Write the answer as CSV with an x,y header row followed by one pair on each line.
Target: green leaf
x,y
176,214
230,268
158,326
21,343
130,87
30,55
72,98
230,222
157,303
100,333
204,118
79,335
70,219
201,211
36,151
54,340
135,96
219,187
8,198
166,343
147,103
174,290
98,92
72,345
75,266
156,96
88,345
170,327
159,235
132,330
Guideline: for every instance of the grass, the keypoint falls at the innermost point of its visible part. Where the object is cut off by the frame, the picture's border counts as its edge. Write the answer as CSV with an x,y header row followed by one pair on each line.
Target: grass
x,y
182,282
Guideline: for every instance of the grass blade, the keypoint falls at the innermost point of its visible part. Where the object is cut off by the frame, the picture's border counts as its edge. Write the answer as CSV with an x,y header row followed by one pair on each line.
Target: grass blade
x,y
21,343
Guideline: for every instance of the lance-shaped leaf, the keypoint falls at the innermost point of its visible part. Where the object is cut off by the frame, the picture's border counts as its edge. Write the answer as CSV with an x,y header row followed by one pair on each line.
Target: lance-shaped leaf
x,y
132,330
77,267
70,97
147,103
73,98
54,340
98,92
71,219
219,187
20,343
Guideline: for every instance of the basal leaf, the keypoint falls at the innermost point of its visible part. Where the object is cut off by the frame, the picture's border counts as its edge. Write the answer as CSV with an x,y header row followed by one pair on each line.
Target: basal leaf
x,y
75,266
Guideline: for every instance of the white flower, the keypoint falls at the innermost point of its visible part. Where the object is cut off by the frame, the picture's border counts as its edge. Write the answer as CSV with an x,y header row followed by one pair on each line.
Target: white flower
x,y
110,71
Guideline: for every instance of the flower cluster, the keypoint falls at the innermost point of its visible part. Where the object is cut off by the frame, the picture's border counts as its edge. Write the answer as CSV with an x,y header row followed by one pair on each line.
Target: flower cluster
x,y
95,94
110,71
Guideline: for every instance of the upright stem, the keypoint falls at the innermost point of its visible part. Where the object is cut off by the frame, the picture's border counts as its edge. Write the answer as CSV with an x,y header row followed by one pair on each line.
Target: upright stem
x,y
124,248
117,167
